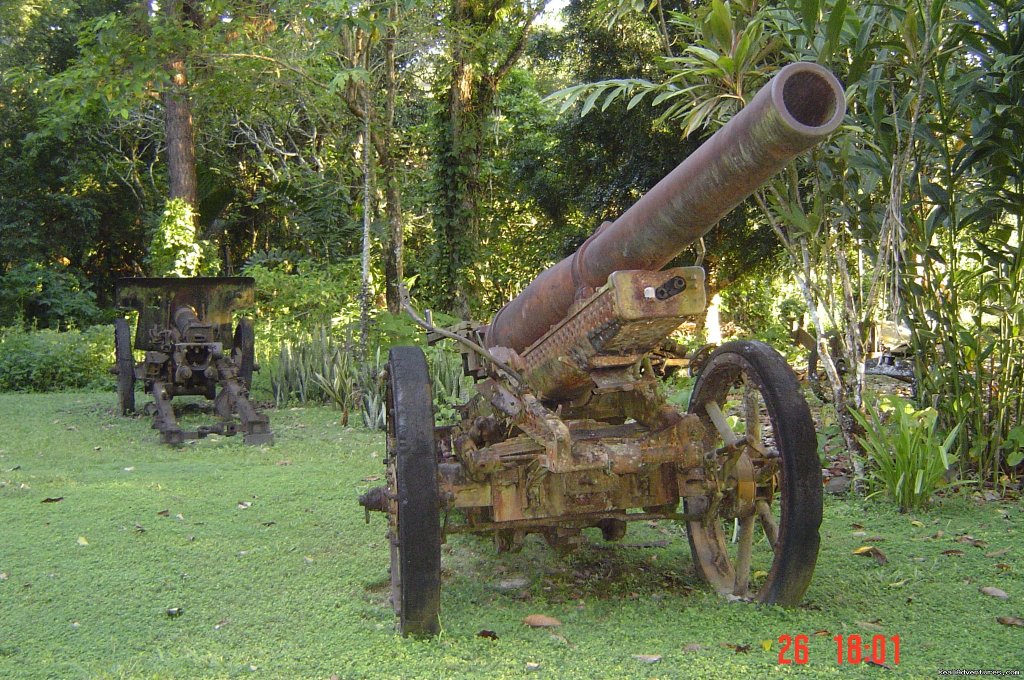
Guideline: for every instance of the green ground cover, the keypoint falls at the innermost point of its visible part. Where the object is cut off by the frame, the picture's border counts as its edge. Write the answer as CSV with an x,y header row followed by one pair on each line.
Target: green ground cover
x,y
265,553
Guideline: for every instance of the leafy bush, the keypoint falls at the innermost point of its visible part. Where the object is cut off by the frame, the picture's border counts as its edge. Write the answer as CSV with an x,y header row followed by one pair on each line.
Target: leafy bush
x,y
46,297
909,454
175,249
47,360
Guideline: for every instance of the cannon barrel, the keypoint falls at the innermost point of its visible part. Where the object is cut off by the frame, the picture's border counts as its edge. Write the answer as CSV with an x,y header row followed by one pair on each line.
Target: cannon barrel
x,y
799,107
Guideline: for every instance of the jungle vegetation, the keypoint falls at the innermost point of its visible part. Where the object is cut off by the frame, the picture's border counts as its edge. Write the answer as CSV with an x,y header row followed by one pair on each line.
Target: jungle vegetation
x,y
339,151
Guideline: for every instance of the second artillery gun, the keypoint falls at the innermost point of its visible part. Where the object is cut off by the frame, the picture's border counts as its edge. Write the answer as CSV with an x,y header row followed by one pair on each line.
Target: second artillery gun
x,y
184,328
568,429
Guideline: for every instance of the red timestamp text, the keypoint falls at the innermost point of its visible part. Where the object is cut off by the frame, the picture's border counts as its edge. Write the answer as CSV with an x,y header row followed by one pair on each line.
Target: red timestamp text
x,y
850,649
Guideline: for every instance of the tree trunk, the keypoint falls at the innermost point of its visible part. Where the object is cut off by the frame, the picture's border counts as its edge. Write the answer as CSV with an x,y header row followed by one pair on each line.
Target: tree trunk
x,y
394,252
178,133
460,151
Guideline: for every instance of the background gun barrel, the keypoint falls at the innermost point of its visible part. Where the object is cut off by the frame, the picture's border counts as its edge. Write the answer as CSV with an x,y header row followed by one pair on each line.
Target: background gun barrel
x,y
799,107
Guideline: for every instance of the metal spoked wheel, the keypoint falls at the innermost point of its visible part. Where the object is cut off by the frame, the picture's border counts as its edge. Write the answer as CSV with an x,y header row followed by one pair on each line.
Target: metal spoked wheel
x,y
243,351
414,510
125,367
759,538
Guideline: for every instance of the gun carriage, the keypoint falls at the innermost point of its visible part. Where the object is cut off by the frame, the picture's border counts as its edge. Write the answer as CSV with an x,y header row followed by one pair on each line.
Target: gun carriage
x,y
184,328
568,431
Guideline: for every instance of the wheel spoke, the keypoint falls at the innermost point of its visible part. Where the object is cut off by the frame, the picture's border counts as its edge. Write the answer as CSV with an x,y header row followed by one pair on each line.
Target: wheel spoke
x,y
743,555
771,529
714,412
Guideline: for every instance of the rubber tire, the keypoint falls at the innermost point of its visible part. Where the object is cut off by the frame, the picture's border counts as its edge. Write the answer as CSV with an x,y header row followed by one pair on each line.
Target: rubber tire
x,y
800,496
243,351
416,551
125,367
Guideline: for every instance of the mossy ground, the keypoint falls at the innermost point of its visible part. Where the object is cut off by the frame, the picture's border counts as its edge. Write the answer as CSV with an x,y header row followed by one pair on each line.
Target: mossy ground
x,y
265,552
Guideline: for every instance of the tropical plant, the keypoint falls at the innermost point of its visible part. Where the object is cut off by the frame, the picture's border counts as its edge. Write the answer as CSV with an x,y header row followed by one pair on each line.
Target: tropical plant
x,y
910,458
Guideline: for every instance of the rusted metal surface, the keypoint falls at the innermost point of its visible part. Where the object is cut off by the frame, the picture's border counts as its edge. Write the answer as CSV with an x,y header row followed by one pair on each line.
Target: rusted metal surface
x,y
798,108
185,329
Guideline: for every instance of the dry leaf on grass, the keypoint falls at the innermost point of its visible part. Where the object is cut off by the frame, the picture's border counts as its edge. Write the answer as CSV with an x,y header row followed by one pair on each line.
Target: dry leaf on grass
x,y
647,658
871,551
739,649
489,634
971,540
243,505
997,553
82,540
694,647
953,553
55,499
1010,620
994,592
541,621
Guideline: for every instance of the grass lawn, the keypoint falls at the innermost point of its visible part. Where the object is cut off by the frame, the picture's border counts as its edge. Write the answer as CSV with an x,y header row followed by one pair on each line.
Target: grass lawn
x,y
264,553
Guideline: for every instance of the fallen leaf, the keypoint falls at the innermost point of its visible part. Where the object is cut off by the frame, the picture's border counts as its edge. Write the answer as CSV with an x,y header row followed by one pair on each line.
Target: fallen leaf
x,y
284,462
1010,620
997,553
647,658
55,499
875,663
937,535
220,624
766,645
269,524
371,478
855,525
163,513
489,634
971,540
179,516
82,541
873,539
3,576
872,551
953,553
822,633
96,448
694,647
916,523
870,625
307,559
994,592
130,468
541,621
139,528
739,649
1003,566
532,666
175,611
243,505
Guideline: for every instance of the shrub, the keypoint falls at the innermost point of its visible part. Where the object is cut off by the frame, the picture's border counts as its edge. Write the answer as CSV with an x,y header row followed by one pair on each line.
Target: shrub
x,y
47,360
175,249
909,454
46,297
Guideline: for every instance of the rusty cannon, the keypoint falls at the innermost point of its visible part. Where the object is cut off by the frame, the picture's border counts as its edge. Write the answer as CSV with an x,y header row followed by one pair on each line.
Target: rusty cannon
x,y
184,328
568,429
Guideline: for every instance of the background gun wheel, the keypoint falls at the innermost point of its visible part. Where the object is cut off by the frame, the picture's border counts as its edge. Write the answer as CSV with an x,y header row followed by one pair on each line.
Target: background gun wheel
x,y
760,541
414,515
125,367
243,351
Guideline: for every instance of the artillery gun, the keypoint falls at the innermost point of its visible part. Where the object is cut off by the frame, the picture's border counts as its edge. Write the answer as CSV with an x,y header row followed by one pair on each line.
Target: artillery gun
x,y
184,328
568,431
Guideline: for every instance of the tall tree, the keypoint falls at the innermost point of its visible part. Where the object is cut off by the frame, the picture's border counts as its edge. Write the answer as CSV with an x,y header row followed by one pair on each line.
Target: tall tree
x,y
485,39
179,136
